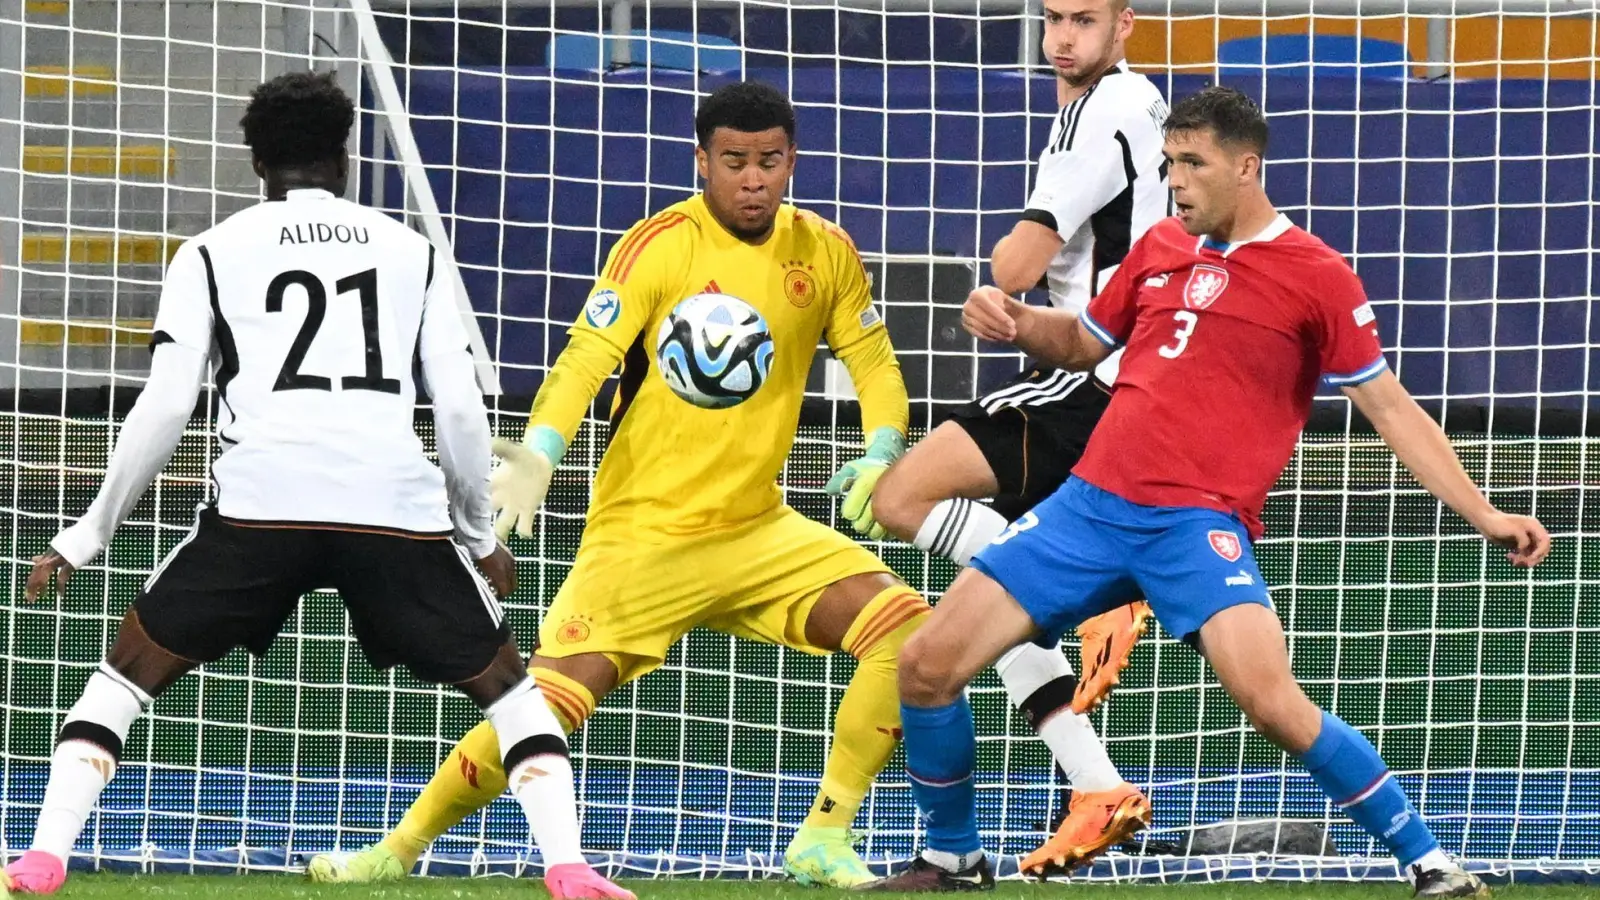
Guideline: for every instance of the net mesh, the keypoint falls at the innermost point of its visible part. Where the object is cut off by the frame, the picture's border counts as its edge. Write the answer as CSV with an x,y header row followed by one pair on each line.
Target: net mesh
x,y
1462,189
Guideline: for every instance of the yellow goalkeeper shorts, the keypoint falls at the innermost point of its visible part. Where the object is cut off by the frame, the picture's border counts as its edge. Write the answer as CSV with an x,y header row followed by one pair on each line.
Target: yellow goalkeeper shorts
x,y
633,596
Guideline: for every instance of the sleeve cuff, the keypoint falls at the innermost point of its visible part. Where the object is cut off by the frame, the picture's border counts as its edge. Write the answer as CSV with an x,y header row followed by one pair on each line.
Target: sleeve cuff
x,y
548,441
1098,330
887,444
78,544
477,546
1042,217
1364,374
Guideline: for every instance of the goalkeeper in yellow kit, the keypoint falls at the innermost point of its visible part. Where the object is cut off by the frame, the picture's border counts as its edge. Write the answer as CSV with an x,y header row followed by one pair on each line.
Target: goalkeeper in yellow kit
x,y
686,523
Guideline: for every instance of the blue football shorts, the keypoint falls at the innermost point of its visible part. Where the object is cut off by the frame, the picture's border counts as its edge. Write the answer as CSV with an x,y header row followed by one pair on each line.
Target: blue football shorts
x,y
1084,551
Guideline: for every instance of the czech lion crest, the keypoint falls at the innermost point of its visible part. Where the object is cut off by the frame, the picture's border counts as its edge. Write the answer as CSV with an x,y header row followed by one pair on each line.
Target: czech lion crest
x,y
1205,285
1226,544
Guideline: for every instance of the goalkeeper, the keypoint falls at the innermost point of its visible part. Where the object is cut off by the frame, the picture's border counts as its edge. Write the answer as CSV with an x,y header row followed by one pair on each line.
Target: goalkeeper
x,y
686,523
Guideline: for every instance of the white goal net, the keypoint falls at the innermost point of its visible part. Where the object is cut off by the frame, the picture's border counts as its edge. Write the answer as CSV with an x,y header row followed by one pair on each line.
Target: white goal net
x,y
1449,149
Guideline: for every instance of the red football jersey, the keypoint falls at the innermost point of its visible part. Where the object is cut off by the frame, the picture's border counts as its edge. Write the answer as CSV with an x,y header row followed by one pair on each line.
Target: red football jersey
x,y
1225,345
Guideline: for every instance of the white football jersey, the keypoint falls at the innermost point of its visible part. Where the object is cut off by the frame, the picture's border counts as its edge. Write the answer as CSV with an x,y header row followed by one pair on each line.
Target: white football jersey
x,y
314,310
1101,183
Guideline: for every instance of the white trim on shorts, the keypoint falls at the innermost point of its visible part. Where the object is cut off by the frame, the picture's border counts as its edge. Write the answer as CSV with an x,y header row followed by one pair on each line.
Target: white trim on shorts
x,y
1056,386
485,592
194,530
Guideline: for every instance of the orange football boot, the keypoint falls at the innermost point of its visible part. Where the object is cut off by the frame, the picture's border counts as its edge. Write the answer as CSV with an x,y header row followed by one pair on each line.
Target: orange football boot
x,y
1094,823
1108,640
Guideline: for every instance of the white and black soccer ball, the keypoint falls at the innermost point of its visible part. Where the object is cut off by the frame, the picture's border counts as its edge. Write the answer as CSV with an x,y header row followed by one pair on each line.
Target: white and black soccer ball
x,y
714,350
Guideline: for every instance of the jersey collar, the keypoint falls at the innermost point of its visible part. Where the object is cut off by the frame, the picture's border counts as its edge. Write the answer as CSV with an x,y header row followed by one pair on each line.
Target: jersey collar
x,y
1273,231
1120,68
307,194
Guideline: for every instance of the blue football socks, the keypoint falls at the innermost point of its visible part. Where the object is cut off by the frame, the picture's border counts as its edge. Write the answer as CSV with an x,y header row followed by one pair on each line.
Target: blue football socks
x,y
941,750
1348,769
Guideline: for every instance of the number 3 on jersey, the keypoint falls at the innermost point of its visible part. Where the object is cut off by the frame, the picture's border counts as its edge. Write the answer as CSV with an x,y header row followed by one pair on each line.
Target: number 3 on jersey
x,y
1027,521
1186,321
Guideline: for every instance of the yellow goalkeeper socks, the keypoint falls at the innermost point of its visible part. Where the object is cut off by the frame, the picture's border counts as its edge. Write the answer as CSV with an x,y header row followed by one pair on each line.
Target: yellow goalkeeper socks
x,y
473,775
570,701
867,725
467,781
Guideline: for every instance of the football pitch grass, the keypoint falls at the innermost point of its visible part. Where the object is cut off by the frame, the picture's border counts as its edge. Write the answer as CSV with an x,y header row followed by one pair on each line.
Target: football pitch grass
x,y
289,887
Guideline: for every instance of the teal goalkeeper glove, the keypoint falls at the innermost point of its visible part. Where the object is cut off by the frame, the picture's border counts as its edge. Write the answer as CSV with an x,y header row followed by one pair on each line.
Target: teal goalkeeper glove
x,y
859,478
518,485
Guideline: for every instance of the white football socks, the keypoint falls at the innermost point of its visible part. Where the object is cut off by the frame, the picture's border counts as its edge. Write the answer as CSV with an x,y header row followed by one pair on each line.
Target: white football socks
x,y
535,752
1029,669
85,758
1436,859
957,529
953,862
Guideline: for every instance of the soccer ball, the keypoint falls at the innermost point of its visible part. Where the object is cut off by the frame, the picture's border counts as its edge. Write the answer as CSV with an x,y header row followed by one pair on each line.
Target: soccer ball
x,y
714,350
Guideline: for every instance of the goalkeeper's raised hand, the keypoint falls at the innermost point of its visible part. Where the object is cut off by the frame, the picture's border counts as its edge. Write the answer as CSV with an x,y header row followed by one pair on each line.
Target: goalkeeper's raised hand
x,y
857,479
518,485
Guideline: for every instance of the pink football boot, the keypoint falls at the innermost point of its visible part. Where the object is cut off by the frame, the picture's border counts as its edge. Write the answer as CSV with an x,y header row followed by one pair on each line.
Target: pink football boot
x,y
36,872
576,881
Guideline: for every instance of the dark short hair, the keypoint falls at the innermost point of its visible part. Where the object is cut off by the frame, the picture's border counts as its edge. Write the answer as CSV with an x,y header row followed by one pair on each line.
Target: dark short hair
x,y
298,119
1230,114
744,106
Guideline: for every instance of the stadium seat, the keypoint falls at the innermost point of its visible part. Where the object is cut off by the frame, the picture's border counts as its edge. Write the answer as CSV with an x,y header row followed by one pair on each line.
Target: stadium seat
x,y
1295,55
680,50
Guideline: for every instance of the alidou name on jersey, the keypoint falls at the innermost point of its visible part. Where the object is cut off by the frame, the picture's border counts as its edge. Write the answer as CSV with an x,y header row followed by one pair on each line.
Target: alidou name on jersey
x,y
321,233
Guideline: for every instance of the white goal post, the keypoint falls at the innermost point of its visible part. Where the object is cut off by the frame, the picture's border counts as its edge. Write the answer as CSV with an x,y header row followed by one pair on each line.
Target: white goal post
x,y
1455,167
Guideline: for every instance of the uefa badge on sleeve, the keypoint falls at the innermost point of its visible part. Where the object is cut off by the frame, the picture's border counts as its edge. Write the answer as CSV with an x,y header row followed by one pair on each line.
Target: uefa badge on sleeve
x,y
1226,543
1205,285
602,309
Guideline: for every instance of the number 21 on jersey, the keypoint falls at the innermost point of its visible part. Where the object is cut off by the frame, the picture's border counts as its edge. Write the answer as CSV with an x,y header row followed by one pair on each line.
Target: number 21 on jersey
x,y
365,285
1180,338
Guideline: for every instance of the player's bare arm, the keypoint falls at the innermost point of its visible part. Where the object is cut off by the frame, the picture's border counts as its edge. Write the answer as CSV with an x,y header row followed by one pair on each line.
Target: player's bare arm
x,y
1423,448
1083,39
1020,259
1055,337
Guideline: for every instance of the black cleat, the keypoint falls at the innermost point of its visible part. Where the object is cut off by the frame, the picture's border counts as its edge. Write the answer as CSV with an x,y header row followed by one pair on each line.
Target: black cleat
x,y
923,877
1447,883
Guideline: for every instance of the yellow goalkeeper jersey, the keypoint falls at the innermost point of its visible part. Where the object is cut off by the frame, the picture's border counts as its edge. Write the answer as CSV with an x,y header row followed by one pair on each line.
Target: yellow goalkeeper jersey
x,y
673,468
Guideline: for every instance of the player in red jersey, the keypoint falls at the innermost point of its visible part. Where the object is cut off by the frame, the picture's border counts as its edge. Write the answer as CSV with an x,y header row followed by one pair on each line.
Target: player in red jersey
x,y
1230,316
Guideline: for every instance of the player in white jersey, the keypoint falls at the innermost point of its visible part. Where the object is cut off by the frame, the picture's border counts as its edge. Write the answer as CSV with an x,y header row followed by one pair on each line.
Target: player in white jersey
x,y
310,311
1101,182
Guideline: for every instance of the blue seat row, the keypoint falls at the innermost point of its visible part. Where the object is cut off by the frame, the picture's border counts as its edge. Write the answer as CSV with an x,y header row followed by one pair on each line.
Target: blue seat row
x,y
1292,55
